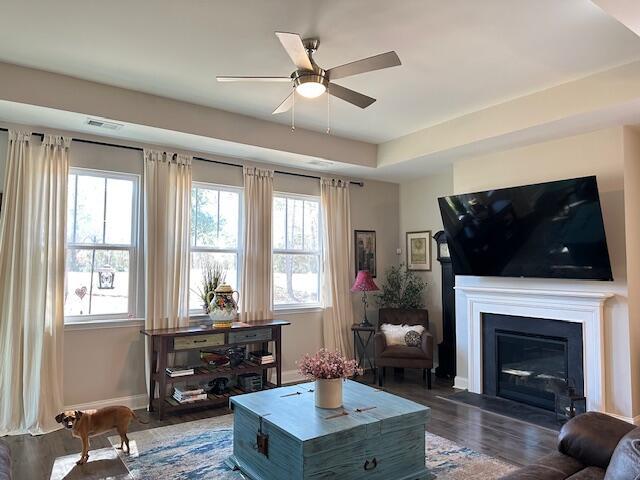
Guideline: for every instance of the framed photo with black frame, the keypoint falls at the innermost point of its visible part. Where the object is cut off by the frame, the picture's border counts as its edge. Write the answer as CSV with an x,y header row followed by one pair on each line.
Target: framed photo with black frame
x,y
365,251
419,251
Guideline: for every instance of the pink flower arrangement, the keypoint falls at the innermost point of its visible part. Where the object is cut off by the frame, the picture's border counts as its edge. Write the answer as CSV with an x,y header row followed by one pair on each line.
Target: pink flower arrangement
x,y
327,365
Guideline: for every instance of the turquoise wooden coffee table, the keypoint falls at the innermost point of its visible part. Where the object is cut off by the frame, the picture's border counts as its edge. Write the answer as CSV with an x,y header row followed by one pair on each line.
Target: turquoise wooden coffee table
x,y
279,434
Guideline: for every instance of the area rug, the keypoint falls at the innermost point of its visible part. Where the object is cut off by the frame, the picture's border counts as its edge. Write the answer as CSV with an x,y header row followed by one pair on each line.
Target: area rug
x,y
198,450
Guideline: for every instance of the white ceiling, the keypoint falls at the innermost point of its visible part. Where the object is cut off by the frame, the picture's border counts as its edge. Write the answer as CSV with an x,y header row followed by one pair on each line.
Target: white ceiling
x,y
458,55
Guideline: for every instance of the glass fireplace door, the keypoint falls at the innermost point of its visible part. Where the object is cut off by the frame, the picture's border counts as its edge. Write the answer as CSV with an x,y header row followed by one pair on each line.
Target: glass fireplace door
x,y
531,368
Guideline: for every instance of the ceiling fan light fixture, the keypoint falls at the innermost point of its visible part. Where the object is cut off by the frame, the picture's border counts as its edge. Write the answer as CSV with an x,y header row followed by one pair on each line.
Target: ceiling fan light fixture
x,y
311,89
310,84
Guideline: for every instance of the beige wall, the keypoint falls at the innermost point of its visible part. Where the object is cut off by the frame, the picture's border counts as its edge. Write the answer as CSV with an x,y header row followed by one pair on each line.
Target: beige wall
x,y
632,232
419,211
598,153
107,363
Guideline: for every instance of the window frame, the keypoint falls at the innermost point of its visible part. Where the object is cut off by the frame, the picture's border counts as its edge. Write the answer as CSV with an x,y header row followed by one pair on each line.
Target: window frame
x,y
292,307
239,250
133,248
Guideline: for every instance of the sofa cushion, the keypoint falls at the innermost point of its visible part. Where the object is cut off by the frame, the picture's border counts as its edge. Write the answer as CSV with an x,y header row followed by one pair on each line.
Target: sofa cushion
x,y
592,437
402,351
589,473
5,462
625,461
554,466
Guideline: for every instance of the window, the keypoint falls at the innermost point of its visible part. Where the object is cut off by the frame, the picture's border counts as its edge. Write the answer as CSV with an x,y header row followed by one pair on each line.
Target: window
x,y
296,251
215,236
102,238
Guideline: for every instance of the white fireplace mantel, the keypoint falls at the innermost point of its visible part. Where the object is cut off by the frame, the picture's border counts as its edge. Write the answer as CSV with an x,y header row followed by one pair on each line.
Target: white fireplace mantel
x,y
585,307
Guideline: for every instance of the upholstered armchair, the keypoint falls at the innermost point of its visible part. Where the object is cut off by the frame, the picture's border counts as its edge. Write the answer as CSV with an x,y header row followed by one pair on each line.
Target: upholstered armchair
x,y
403,356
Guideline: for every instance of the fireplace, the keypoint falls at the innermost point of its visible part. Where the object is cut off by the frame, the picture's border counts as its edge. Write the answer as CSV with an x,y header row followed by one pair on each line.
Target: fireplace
x,y
531,360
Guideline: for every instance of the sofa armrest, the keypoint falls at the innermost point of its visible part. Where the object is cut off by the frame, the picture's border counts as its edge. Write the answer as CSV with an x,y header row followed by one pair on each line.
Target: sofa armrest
x,y
592,437
427,344
379,344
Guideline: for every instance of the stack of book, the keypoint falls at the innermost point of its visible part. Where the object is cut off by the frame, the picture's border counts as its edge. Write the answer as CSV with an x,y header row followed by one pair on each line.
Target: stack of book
x,y
180,371
262,357
188,394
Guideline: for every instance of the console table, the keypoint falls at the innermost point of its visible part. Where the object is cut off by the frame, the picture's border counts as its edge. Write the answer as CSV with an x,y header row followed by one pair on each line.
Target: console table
x,y
163,342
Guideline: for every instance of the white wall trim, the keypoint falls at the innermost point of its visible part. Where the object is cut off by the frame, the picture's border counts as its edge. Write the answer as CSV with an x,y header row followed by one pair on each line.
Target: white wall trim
x,y
582,307
461,383
134,402
635,420
101,324
292,376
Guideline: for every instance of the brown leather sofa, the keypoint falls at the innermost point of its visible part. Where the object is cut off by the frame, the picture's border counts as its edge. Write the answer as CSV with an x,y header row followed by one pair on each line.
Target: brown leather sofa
x,y
402,356
591,446
5,462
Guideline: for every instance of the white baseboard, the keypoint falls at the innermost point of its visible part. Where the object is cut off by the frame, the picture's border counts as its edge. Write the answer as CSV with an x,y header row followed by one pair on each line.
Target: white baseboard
x,y
461,383
292,376
635,420
134,402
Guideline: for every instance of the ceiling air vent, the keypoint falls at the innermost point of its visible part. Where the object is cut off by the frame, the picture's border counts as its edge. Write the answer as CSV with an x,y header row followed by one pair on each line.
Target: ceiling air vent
x,y
94,122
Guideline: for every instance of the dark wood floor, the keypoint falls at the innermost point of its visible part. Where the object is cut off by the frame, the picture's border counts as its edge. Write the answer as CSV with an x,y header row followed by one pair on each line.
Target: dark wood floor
x,y
516,442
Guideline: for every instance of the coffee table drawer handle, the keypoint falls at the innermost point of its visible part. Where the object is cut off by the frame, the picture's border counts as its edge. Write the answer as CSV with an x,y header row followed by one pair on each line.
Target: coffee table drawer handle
x,y
371,465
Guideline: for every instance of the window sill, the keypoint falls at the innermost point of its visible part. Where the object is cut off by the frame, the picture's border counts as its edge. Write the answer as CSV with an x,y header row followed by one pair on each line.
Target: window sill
x,y
101,324
297,309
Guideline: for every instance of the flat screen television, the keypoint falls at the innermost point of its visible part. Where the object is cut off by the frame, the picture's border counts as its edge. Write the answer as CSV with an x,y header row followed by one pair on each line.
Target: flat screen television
x,y
546,230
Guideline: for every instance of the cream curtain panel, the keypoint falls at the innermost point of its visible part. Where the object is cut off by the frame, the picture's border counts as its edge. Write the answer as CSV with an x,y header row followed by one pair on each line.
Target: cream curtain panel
x,y
167,213
338,310
255,293
32,263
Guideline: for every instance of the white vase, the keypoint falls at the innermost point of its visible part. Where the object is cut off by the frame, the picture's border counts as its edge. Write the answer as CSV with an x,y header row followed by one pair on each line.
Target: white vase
x,y
329,392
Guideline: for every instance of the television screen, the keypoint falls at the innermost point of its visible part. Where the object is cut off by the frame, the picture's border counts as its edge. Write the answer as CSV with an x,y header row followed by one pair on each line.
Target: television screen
x,y
547,230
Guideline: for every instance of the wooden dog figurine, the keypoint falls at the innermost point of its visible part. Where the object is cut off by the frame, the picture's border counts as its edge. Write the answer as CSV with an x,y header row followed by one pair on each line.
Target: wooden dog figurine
x,y
94,422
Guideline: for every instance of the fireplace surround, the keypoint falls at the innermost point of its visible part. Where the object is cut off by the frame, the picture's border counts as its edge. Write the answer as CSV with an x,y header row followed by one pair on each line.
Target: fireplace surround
x,y
581,307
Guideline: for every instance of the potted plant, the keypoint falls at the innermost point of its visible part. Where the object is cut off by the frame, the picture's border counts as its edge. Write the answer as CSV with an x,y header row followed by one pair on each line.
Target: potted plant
x,y
213,275
329,370
402,289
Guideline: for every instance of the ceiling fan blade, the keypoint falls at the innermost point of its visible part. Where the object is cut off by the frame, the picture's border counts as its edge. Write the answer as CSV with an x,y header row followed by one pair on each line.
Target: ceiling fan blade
x,y
377,62
351,96
292,43
252,79
285,105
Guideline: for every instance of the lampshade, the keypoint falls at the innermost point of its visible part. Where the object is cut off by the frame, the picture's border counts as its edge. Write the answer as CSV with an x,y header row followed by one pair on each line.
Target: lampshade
x,y
364,282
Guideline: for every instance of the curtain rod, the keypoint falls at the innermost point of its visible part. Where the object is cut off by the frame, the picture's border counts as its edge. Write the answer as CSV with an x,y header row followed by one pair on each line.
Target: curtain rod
x,y
139,149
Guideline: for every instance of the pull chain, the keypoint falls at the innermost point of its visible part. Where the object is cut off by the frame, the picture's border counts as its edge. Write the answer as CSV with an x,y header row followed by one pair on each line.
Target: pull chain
x,y
328,112
293,110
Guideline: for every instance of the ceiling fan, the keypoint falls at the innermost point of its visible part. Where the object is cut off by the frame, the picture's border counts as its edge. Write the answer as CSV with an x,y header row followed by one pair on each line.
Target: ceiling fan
x,y
311,81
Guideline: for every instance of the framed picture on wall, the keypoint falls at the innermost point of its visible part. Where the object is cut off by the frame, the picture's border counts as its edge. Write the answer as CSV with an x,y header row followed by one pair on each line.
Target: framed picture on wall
x,y
365,251
419,250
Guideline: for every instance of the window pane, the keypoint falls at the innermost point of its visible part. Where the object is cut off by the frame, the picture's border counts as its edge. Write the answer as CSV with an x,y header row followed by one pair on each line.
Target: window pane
x,y
294,223
71,207
311,222
119,211
199,261
206,218
295,279
78,282
97,282
110,292
90,209
279,222
228,219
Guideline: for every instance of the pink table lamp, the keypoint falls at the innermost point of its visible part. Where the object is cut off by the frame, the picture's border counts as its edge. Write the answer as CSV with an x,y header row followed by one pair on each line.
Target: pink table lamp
x,y
364,283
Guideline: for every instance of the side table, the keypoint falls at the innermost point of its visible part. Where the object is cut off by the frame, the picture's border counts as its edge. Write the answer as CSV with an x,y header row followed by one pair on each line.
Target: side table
x,y
362,336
